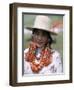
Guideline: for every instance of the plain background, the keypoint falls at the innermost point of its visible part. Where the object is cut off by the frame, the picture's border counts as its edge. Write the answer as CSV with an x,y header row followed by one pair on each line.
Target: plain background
x,y
4,46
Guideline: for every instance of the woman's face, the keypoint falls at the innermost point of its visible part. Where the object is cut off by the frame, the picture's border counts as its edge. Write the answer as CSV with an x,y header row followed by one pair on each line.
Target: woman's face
x,y
40,37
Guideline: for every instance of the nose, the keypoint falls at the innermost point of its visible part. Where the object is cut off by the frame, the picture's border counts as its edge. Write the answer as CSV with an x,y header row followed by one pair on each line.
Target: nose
x,y
39,37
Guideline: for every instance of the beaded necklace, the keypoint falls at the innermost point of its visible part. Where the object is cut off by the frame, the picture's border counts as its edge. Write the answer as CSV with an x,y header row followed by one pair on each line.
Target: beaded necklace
x,y
44,59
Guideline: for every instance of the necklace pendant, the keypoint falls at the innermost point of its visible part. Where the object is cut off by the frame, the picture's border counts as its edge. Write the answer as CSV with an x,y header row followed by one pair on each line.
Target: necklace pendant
x,y
38,56
37,61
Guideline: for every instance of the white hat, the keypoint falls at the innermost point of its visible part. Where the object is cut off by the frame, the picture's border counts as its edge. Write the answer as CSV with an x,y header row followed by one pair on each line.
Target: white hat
x,y
43,23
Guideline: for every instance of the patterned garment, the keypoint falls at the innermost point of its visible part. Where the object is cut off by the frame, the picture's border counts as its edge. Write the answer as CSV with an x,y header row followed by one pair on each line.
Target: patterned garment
x,y
54,68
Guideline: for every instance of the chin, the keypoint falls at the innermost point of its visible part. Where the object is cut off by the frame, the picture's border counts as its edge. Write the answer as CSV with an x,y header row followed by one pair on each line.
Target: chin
x,y
41,46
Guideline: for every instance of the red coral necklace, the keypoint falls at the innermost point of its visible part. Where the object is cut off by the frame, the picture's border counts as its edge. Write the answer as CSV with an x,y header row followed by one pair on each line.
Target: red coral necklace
x,y
43,60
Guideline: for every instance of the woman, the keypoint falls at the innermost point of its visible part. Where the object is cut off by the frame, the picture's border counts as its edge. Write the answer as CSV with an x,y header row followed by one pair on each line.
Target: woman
x,y
40,58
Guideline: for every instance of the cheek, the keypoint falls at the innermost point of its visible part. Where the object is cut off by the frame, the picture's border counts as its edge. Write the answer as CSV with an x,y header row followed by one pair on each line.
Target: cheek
x,y
45,40
34,39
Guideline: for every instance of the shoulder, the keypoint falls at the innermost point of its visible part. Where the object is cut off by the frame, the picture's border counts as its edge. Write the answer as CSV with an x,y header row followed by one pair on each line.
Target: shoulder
x,y
26,50
56,56
55,53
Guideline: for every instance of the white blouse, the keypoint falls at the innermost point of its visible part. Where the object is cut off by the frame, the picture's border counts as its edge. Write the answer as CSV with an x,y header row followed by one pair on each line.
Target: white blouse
x,y
54,68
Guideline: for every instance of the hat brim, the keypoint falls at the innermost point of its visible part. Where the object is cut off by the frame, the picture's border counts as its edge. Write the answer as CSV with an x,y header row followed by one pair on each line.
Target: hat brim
x,y
32,28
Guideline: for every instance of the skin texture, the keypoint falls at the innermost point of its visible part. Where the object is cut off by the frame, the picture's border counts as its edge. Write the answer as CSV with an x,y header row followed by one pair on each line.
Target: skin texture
x,y
40,38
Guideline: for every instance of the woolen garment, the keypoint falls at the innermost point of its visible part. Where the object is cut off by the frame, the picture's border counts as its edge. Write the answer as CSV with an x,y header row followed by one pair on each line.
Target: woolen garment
x,y
54,68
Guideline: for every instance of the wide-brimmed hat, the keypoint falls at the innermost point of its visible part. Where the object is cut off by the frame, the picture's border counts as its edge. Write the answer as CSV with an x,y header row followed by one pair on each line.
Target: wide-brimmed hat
x,y
43,23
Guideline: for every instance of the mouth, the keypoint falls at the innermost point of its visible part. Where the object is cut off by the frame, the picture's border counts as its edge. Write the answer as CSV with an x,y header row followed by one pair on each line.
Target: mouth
x,y
40,44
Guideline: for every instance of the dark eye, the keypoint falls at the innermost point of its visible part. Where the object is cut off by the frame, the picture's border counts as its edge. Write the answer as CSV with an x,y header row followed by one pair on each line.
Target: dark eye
x,y
36,33
44,34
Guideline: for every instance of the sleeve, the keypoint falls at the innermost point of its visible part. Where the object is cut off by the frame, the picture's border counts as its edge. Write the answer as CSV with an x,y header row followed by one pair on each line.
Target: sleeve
x,y
26,64
27,68
58,63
